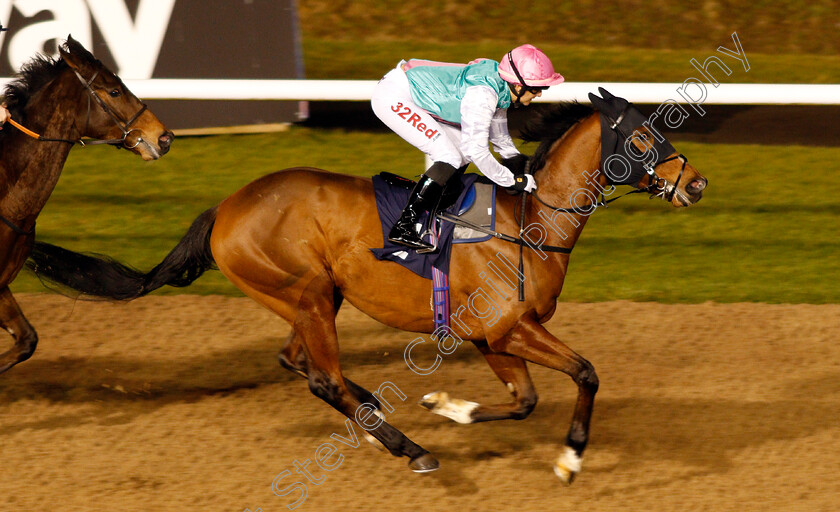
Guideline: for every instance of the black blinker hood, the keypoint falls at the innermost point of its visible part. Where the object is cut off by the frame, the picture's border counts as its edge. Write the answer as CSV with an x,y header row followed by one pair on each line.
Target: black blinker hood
x,y
619,119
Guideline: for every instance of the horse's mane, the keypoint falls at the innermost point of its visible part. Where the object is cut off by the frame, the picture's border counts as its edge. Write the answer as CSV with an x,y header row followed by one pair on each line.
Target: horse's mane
x,y
549,124
37,73
33,75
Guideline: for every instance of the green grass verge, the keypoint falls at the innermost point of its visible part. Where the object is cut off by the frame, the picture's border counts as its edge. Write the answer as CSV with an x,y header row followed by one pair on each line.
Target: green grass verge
x,y
332,59
766,230
763,26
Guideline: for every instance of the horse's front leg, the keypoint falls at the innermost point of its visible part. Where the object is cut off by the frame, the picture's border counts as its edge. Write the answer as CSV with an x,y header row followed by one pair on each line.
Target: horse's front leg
x,y
512,371
532,342
13,321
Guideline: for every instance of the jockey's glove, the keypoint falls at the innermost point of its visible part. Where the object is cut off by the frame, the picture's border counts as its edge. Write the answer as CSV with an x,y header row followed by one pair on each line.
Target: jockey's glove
x,y
524,182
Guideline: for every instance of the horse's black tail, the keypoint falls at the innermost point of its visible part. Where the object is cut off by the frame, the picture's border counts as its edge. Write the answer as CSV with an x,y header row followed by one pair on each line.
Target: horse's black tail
x,y
104,277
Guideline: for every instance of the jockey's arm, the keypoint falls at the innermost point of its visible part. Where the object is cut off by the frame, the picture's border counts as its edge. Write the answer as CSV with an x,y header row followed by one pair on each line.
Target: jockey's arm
x,y
479,120
500,136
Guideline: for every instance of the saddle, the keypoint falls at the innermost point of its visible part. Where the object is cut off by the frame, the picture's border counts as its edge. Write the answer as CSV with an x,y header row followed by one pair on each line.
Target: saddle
x,y
477,207
469,196
450,192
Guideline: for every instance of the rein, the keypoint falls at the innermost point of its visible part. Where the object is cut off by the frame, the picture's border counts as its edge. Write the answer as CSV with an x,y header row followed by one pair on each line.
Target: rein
x,y
658,187
125,128
588,209
501,236
519,241
15,227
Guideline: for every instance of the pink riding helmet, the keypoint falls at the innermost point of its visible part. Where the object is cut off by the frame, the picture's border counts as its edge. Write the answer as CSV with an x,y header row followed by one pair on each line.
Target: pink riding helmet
x,y
530,65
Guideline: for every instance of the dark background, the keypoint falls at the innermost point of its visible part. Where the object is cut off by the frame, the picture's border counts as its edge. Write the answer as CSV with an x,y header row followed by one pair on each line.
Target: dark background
x,y
808,125
211,39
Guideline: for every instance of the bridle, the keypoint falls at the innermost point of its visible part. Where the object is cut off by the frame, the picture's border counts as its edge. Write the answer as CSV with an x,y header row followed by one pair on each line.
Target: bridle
x,y
657,187
125,127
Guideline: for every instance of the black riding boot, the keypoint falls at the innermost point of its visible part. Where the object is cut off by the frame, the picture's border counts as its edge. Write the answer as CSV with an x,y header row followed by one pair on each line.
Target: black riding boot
x,y
425,196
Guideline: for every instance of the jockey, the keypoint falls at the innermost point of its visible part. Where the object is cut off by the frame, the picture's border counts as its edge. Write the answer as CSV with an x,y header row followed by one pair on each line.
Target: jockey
x,y
451,112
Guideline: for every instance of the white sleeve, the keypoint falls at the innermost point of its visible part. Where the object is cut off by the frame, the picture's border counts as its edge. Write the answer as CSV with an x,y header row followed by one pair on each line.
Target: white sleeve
x,y
478,113
500,136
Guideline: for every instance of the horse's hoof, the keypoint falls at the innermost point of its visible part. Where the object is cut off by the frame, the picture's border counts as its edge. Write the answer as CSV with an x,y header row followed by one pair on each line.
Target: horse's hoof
x,y
434,399
567,466
424,463
454,409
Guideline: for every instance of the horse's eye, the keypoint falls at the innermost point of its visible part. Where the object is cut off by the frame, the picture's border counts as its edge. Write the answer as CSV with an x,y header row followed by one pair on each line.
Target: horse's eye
x,y
115,93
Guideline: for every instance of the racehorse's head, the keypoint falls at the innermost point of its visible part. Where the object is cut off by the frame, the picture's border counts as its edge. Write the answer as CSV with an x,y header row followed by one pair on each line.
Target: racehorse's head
x,y
634,153
112,112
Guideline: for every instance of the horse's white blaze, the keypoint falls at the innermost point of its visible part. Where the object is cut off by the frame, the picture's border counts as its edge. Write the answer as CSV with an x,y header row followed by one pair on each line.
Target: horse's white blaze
x,y
454,409
152,149
567,465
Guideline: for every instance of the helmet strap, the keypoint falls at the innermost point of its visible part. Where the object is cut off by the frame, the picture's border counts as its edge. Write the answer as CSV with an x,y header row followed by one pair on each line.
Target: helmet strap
x,y
517,95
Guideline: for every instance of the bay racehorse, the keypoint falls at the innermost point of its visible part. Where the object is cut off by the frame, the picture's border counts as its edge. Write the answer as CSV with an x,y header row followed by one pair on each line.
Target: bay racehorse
x,y
297,242
52,105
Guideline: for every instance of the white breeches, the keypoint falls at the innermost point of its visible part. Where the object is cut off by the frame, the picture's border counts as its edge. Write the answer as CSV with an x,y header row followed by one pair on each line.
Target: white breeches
x,y
392,104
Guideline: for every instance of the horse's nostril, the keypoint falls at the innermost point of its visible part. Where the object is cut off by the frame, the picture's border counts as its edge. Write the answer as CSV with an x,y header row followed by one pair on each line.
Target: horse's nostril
x,y
165,140
697,185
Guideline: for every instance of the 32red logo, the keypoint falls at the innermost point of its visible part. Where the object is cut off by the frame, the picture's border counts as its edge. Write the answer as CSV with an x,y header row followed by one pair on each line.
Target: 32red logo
x,y
412,118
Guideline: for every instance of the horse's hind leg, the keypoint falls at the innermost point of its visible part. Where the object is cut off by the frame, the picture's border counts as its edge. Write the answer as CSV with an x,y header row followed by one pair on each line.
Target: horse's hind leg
x,y
512,371
315,324
293,358
13,321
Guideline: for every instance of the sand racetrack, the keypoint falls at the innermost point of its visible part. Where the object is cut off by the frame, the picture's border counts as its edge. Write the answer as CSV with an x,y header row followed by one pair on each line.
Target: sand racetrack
x,y
178,404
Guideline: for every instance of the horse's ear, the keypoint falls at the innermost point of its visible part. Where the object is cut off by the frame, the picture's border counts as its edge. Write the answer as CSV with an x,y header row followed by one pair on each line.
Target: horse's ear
x,y
605,93
599,104
74,54
65,51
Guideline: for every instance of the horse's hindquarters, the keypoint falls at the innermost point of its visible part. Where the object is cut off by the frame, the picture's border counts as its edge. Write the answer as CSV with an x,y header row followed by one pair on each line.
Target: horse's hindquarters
x,y
273,236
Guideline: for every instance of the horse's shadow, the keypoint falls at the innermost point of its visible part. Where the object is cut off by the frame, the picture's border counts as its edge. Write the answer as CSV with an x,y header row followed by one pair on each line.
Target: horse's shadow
x,y
113,389
121,388
701,434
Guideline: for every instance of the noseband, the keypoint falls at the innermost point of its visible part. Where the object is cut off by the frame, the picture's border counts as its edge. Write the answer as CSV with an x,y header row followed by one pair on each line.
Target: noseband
x,y
660,187
125,127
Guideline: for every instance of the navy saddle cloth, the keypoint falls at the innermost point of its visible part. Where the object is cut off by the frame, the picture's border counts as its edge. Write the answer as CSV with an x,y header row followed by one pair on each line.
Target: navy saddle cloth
x,y
392,194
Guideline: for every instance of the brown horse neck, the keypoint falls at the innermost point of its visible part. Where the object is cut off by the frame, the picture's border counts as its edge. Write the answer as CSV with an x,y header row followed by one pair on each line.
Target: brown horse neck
x,y
29,168
569,179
